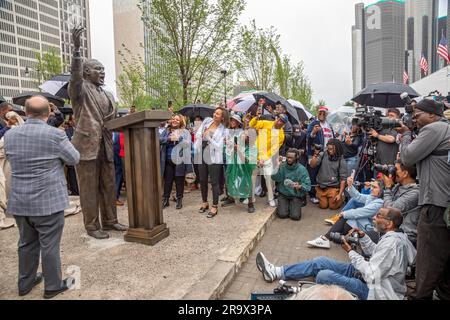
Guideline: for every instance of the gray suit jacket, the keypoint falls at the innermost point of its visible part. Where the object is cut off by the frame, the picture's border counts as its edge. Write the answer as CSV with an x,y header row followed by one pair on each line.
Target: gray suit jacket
x,y
37,153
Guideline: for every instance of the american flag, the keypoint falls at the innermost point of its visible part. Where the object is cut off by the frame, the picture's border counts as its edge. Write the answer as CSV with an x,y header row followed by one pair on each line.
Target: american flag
x,y
443,50
424,65
405,77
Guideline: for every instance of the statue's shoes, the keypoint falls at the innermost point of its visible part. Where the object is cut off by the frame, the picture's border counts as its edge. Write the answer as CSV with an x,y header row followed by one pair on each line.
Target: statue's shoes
x,y
116,226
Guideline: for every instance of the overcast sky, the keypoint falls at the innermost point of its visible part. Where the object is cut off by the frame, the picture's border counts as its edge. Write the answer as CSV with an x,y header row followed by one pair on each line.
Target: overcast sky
x,y
315,31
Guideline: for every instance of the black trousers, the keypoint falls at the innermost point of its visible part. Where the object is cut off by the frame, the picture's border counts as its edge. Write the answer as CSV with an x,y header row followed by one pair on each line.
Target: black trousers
x,y
72,180
433,254
213,172
170,177
289,207
341,226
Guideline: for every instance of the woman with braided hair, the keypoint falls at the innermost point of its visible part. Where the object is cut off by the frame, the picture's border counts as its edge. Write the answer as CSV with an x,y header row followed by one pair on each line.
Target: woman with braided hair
x,y
332,174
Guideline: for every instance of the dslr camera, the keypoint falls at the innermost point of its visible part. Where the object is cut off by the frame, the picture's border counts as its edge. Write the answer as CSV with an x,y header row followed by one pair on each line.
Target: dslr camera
x,y
386,169
368,118
318,147
407,118
338,238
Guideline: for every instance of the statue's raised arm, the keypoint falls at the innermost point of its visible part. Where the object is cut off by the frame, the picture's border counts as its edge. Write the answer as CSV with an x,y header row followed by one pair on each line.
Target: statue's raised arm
x,y
76,78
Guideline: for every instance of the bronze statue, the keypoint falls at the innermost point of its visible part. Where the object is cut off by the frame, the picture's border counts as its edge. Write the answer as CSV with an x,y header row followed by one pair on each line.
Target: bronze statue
x,y
93,107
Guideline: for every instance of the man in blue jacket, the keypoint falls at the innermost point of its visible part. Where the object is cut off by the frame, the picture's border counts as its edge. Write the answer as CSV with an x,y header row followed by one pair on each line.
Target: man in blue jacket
x,y
319,132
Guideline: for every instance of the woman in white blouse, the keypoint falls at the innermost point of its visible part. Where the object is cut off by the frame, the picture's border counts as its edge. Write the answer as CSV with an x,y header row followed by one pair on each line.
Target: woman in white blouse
x,y
209,147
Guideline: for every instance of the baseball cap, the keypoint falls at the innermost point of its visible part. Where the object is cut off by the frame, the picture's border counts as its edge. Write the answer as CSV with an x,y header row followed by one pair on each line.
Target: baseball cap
x,y
324,109
237,117
283,118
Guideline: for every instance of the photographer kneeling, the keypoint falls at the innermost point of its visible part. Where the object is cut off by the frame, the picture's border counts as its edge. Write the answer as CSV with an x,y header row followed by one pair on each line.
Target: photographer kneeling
x,y
331,176
380,278
293,183
360,217
430,152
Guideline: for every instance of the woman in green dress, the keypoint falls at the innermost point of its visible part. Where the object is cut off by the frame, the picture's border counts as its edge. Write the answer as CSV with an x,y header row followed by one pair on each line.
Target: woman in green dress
x,y
240,150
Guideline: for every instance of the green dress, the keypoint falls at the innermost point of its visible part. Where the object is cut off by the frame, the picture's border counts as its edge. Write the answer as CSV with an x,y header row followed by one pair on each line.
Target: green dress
x,y
240,166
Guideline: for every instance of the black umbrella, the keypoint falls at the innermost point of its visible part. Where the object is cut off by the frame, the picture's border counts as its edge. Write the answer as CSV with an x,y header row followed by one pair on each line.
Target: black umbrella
x,y
18,109
2,99
21,98
302,116
384,95
272,99
197,110
57,86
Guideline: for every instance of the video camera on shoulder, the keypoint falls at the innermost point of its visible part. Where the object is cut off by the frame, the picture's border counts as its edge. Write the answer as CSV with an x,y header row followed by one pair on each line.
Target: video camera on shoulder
x,y
368,118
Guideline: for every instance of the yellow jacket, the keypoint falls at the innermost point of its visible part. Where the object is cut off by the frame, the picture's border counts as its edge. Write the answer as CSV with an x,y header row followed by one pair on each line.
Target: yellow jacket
x,y
267,144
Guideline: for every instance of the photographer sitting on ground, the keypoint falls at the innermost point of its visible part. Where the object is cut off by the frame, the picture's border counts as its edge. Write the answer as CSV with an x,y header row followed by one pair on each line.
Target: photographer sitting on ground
x,y
404,196
430,152
331,176
360,217
293,183
380,278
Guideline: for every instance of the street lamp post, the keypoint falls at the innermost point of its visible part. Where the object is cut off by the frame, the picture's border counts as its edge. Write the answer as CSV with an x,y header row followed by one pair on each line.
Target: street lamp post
x,y
224,73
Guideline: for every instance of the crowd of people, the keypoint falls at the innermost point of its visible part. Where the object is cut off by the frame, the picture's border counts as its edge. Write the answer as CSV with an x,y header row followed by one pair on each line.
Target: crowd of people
x,y
397,209
390,188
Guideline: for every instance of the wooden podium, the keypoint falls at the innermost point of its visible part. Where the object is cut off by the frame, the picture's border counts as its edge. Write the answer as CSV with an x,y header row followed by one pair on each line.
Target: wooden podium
x,y
143,175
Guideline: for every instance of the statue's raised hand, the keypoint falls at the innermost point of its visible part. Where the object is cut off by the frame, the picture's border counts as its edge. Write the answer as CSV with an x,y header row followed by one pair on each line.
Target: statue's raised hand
x,y
76,36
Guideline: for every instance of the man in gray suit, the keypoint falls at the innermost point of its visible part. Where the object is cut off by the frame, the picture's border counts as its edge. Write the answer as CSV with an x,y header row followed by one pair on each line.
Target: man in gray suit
x,y
37,153
93,107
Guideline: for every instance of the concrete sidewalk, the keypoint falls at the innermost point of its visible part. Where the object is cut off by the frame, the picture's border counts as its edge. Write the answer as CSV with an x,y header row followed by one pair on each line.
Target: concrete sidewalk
x,y
196,261
284,243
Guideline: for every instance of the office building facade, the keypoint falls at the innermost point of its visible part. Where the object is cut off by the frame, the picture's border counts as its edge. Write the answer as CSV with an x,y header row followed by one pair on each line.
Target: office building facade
x,y
378,43
28,27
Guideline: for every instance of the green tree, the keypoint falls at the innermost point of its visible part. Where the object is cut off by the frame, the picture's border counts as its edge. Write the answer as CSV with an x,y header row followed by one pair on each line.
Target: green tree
x,y
299,86
48,65
193,38
254,60
131,83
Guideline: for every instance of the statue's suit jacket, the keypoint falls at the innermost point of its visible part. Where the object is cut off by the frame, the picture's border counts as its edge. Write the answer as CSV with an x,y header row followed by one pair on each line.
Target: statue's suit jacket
x,y
90,120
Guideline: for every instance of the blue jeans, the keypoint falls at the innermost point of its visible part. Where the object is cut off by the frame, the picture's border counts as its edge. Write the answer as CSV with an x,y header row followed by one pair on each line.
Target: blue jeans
x,y
352,164
353,204
328,271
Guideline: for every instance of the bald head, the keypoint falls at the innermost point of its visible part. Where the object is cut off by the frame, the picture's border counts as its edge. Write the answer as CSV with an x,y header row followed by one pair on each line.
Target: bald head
x,y
37,107
94,71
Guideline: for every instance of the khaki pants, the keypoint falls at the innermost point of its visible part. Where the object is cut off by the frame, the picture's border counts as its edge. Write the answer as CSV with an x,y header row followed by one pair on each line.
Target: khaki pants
x,y
326,198
266,171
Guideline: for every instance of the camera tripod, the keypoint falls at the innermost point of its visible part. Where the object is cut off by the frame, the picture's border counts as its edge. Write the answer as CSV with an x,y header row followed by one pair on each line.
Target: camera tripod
x,y
366,159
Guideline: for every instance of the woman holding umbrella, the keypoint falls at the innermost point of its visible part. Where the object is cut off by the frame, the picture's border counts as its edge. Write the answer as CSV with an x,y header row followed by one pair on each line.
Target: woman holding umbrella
x,y
175,144
208,154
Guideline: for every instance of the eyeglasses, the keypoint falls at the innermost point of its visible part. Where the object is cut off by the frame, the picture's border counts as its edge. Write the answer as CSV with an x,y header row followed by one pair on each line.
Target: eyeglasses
x,y
382,217
417,114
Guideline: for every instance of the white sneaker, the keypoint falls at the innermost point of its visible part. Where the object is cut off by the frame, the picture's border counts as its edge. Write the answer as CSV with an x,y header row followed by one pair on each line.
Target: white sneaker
x,y
268,269
315,200
320,242
245,201
272,203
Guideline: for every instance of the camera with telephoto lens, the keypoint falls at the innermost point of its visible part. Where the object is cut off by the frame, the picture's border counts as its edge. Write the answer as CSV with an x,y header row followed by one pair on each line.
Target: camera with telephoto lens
x,y
368,118
386,169
338,238
407,118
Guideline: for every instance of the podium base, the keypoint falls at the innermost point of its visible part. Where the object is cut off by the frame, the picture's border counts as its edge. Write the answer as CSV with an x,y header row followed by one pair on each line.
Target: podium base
x,y
147,237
